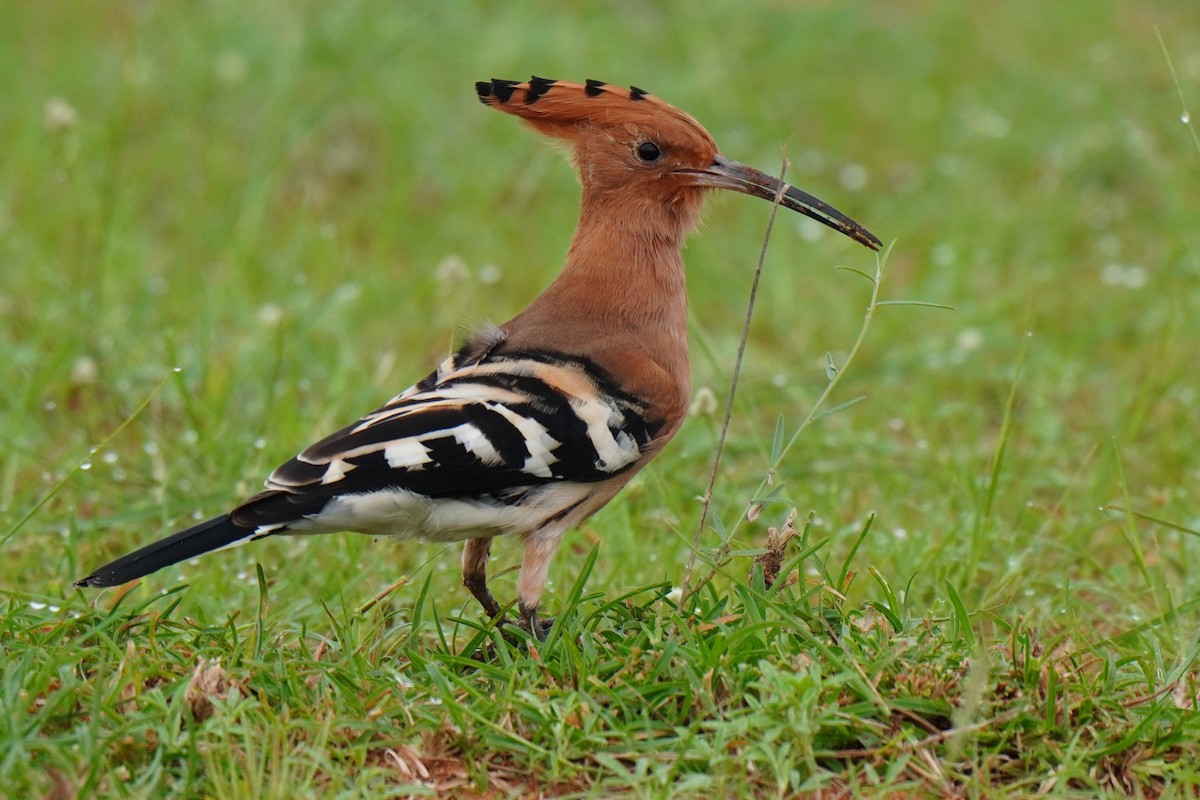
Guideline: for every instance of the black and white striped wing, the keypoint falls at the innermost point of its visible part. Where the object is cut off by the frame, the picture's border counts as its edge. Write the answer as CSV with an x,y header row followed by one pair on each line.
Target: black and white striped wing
x,y
488,434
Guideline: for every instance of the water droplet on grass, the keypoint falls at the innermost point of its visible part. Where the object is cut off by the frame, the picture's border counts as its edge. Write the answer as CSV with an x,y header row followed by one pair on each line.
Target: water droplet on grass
x,y
270,315
810,229
489,274
943,254
85,370
59,115
452,270
969,339
853,177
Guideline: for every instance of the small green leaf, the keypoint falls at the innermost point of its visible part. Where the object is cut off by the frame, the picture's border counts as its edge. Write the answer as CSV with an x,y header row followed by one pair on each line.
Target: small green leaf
x,y
831,369
859,272
777,441
922,303
962,618
829,412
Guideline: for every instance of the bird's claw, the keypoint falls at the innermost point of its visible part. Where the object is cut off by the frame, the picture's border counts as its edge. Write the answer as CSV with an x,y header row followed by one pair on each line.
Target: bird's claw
x,y
537,626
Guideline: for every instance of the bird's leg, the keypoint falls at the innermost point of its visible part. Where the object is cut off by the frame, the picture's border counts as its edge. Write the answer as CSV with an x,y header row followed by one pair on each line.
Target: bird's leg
x,y
539,549
474,564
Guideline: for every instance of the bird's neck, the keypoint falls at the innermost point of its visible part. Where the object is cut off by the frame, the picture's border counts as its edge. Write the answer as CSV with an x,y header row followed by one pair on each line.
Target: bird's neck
x,y
625,264
621,300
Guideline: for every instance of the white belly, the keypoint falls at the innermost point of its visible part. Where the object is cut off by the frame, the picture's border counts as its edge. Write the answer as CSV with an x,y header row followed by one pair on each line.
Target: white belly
x,y
407,515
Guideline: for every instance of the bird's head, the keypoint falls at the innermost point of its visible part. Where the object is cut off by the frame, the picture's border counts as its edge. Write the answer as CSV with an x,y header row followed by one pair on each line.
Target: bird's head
x,y
634,150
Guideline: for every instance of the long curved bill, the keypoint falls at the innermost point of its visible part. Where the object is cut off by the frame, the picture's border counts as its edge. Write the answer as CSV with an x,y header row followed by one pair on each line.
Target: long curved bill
x,y
728,174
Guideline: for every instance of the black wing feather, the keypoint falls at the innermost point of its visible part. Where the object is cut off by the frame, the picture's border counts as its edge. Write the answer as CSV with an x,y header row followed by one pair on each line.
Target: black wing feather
x,y
473,395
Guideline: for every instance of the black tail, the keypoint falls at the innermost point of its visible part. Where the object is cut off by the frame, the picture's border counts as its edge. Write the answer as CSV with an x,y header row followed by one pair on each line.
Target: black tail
x,y
207,536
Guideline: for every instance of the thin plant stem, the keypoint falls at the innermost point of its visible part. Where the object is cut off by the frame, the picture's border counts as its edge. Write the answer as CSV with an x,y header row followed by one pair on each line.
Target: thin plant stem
x,y
79,466
1186,115
835,377
706,501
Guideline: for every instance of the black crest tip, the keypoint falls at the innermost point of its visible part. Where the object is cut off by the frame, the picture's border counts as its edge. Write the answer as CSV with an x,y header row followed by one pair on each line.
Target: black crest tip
x,y
503,89
593,88
637,94
537,88
484,90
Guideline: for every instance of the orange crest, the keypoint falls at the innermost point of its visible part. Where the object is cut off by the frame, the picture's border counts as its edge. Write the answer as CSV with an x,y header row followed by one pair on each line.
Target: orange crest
x,y
558,108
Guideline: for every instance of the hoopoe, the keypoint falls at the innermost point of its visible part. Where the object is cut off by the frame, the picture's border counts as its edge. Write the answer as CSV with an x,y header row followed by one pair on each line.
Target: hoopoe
x,y
533,425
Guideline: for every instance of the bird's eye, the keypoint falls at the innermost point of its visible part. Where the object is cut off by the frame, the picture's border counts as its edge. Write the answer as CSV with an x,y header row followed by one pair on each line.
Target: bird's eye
x,y
649,152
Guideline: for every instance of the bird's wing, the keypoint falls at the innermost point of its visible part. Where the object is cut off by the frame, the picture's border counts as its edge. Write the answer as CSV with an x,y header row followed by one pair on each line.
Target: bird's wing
x,y
476,427
483,432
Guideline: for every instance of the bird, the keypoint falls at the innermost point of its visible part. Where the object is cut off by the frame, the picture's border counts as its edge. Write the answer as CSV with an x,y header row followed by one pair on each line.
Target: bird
x,y
533,425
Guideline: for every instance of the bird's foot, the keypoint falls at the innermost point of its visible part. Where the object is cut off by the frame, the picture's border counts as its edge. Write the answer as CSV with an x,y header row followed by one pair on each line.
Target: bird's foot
x,y
539,627
508,627
531,623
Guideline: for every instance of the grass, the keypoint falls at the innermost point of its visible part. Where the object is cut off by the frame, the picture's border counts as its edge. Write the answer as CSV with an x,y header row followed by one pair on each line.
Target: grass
x,y
227,229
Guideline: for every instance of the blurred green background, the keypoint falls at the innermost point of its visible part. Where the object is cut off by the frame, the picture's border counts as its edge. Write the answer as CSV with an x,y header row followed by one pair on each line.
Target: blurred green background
x,y
298,204
235,227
